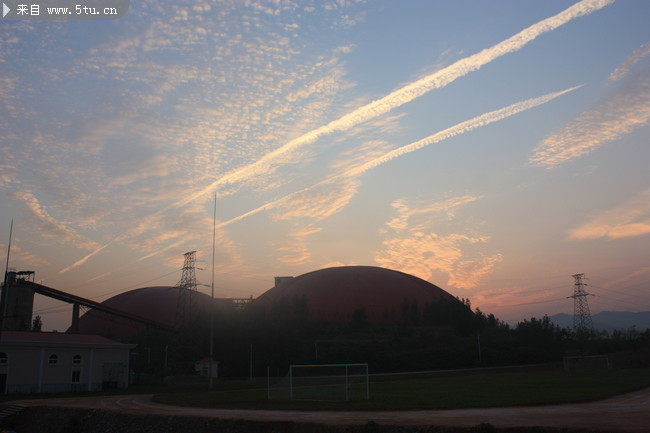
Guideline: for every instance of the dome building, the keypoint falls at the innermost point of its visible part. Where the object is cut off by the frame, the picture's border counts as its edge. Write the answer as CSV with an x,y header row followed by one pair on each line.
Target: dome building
x,y
158,304
327,295
334,294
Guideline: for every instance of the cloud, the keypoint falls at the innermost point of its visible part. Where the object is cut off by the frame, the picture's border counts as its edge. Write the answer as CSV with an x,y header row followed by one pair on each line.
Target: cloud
x,y
468,273
461,128
160,86
402,95
624,69
405,213
48,226
329,196
161,250
82,260
22,259
359,155
621,114
162,108
137,165
295,249
7,175
319,201
8,97
638,277
628,220
516,296
413,246
98,277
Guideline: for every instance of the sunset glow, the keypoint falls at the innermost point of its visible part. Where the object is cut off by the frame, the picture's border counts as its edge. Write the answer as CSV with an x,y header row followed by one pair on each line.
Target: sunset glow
x,y
491,148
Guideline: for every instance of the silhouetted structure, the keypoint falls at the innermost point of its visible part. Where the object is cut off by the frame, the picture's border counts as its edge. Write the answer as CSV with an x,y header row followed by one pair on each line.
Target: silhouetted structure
x,y
187,284
351,293
581,315
18,304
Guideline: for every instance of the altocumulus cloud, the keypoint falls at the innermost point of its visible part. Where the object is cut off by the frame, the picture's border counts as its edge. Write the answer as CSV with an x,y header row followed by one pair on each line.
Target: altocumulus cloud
x,y
332,194
412,246
403,95
630,219
627,110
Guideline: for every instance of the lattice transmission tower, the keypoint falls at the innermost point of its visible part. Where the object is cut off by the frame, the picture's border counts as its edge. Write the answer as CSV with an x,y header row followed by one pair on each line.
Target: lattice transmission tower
x,y
582,322
187,290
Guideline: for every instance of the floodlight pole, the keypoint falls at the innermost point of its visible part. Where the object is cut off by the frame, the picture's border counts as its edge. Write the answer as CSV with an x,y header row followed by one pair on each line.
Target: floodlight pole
x,y
290,382
214,232
347,391
367,383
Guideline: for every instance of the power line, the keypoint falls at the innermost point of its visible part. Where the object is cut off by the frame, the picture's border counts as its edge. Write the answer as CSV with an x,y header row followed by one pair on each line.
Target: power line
x,y
636,295
137,284
532,303
636,304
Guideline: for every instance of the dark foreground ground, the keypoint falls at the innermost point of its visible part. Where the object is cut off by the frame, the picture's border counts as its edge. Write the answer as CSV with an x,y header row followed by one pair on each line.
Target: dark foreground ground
x,y
43,419
627,413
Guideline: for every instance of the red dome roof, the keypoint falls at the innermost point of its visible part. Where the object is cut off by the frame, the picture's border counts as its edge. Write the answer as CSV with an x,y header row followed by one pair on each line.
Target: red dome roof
x,y
155,303
333,294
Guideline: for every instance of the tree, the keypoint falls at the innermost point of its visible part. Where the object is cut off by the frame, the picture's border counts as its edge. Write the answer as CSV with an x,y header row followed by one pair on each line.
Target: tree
x,y
37,324
359,319
539,340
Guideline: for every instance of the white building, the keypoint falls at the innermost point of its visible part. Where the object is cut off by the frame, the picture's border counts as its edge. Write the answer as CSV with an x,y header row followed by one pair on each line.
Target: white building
x,y
56,362
203,368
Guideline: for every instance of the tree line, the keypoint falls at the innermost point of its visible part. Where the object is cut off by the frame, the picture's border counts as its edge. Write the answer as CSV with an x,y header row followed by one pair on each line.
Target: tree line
x,y
443,334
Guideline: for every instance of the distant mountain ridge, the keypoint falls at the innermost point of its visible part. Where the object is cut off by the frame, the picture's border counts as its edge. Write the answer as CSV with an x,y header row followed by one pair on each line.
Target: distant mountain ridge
x,y
609,320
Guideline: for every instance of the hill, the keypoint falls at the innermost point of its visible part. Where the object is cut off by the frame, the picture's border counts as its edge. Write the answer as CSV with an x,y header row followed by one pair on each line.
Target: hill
x,y
609,320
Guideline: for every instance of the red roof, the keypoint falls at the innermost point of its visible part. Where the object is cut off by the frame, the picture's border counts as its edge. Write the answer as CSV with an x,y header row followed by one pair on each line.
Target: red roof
x,y
333,294
156,303
56,338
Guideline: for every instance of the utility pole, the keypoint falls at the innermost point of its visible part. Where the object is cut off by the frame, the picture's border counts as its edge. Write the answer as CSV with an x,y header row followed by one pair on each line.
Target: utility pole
x,y
582,322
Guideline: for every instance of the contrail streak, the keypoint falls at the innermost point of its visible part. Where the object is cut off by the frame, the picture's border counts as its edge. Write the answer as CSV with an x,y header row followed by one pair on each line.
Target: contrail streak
x,y
82,260
461,128
407,93
477,122
393,100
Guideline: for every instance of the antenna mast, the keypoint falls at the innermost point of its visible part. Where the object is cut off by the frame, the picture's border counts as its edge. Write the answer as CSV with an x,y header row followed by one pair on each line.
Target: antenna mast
x,y
5,283
582,322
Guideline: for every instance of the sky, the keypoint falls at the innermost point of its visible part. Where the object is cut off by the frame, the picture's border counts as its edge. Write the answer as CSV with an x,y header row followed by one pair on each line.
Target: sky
x,y
493,148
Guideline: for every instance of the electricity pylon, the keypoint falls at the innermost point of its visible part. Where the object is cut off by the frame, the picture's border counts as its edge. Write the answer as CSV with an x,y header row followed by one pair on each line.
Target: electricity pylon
x,y
582,322
187,289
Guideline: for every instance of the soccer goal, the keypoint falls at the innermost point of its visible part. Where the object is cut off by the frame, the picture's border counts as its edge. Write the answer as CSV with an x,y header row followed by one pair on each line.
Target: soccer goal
x,y
322,382
587,363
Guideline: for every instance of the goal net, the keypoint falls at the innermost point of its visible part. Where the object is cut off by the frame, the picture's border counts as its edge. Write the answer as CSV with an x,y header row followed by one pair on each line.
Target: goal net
x,y
322,382
587,363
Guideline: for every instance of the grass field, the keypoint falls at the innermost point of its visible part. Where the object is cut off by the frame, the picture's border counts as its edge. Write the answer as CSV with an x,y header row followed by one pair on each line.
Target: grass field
x,y
436,391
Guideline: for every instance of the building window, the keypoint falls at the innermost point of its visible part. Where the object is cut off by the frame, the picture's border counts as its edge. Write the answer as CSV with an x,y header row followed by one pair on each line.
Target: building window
x,y
76,360
54,359
3,358
76,376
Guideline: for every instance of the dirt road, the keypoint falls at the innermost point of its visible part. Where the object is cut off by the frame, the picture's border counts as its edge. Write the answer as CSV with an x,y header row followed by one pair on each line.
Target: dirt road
x,y
628,413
